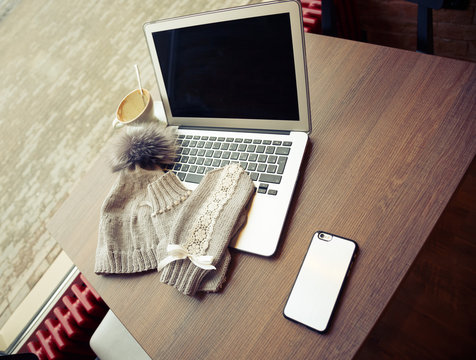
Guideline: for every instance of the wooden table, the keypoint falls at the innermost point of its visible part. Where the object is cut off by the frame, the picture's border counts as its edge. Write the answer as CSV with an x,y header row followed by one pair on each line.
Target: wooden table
x,y
393,134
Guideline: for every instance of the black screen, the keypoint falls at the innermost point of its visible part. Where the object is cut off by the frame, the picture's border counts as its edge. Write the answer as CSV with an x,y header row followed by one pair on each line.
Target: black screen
x,y
233,69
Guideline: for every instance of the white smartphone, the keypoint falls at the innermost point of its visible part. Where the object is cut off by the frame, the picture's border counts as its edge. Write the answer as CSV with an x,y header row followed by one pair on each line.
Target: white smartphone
x,y
320,280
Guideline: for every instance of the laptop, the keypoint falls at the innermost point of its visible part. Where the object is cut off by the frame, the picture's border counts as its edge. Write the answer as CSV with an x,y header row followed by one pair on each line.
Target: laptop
x,y
234,81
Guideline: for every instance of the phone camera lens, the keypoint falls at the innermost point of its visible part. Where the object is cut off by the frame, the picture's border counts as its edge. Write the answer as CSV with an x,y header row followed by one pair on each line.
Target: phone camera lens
x,y
325,237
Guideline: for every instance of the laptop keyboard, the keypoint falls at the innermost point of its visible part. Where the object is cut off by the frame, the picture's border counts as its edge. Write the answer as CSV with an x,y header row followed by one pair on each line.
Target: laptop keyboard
x,y
264,160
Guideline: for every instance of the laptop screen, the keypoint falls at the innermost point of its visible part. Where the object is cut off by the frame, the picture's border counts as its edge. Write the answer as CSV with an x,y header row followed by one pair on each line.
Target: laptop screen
x,y
233,69
241,68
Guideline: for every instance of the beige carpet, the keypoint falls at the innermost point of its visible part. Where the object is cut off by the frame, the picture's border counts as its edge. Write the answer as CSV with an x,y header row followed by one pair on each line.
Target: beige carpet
x,y
64,66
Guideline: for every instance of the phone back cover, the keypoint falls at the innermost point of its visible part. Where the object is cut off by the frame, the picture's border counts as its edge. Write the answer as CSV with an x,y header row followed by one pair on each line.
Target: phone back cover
x,y
319,282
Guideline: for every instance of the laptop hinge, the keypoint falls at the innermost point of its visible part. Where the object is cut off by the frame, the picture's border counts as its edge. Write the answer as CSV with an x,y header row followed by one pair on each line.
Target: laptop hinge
x,y
256,131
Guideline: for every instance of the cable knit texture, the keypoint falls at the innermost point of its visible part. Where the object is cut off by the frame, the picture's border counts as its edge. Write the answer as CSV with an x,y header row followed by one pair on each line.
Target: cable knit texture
x,y
147,210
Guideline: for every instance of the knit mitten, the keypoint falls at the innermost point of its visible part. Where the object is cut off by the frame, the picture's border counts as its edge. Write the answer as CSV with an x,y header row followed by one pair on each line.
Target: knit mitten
x,y
204,226
214,280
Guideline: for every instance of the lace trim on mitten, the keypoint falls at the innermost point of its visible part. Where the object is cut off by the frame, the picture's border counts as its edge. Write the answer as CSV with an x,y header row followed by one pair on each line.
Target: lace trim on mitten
x,y
202,228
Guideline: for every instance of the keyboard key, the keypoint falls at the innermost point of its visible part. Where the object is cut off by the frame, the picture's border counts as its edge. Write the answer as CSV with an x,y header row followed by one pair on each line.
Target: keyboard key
x,y
254,176
201,170
233,147
216,162
247,141
271,169
281,164
234,156
238,140
277,142
241,147
270,149
266,142
193,178
244,164
253,157
216,145
272,159
261,167
181,176
225,146
256,141
287,143
200,161
270,178
251,148
262,158
260,149
272,192
201,152
243,156
282,151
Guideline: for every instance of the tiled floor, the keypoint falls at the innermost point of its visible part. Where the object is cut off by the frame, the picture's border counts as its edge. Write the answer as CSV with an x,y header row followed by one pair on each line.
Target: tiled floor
x,y
64,66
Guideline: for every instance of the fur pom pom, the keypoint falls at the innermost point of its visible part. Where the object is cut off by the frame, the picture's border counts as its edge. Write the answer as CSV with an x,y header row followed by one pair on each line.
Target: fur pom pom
x,y
147,147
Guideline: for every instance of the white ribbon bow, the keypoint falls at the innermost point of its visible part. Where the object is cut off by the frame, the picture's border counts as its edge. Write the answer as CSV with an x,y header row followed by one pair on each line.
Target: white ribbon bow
x,y
178,252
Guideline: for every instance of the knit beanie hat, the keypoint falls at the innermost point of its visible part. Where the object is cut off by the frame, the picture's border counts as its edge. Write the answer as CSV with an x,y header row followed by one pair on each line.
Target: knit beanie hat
x,y
127,241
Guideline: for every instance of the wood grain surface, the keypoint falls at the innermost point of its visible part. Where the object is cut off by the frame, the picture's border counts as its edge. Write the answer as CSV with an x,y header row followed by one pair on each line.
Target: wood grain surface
x,y
393,134
431,315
